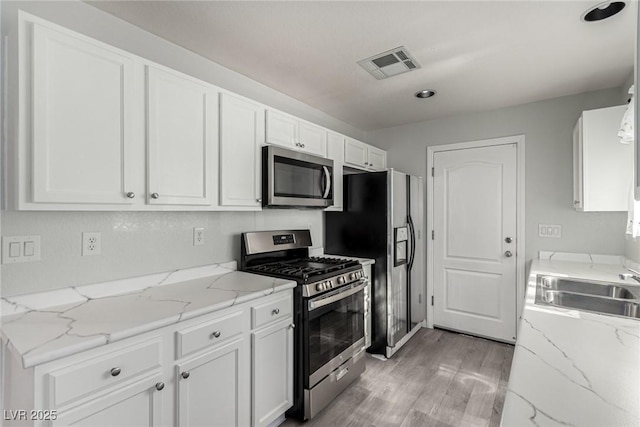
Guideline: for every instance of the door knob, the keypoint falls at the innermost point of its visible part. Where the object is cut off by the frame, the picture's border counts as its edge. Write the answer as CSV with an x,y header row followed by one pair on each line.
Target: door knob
x,y
508,240
508,254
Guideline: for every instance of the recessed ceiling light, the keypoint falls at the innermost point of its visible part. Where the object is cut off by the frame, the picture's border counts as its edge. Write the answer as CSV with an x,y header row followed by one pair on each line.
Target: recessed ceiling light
x,y
427,93
603,11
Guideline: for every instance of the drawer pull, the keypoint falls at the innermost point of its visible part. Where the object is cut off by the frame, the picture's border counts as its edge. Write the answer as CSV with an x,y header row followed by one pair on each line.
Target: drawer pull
x,y
216,334
275,311
185,374
115,372
159,386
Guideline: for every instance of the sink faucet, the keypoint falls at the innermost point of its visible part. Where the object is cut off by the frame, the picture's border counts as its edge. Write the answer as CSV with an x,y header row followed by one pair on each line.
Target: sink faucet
x,y
635,275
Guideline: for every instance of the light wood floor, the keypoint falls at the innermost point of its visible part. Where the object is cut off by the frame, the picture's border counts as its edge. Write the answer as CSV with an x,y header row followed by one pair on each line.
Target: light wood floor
x,y
438,378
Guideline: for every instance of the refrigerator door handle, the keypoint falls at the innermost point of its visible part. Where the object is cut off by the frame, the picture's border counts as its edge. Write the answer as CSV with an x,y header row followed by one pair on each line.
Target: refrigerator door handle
x,y
412,232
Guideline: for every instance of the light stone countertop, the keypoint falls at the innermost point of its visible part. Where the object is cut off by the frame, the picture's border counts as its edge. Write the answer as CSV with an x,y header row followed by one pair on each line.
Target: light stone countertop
x,y
41,327
572,367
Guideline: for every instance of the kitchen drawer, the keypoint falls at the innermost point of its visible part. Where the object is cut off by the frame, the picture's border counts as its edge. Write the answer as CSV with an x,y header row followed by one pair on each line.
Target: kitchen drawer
x,y
279,307
209,333
91,375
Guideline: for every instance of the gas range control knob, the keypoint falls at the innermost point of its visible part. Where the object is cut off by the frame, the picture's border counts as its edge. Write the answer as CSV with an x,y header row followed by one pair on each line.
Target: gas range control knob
x,y
352,276
319,287
330,283
341,280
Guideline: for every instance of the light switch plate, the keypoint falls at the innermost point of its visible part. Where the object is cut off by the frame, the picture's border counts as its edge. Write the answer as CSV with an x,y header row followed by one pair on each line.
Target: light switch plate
x,y
550,230
18,244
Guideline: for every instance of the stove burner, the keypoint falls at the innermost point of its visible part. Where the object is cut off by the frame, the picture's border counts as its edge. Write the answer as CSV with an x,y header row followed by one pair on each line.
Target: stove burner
x,y
305,267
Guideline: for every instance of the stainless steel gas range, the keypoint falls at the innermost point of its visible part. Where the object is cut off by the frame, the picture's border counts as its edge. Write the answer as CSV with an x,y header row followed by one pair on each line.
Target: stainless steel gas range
x,y
329,314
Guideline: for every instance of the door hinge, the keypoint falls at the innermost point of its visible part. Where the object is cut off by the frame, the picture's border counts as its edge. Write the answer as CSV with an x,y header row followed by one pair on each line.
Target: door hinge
x,y
431,299
433,235
432,171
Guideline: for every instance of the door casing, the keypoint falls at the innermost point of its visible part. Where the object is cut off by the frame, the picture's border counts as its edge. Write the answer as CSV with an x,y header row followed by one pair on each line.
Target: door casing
x,y
519,140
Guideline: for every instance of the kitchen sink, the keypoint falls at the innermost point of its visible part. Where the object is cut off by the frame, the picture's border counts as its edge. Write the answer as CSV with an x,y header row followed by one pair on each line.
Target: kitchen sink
x,y
587,287
586,295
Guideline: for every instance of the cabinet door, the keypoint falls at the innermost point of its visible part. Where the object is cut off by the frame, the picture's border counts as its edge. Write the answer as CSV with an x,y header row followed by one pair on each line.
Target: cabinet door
x,y
313,139
181,133
241,136
577,166
272,367
355,153
83,111
377,159
137,404
607,164
215,390
281,130
335,151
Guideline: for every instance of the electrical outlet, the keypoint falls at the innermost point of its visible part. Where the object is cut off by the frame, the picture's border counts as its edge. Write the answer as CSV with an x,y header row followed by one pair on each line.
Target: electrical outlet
x,y
198,236
91,243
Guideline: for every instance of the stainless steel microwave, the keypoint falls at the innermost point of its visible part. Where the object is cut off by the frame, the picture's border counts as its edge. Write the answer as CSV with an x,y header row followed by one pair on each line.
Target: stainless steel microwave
x,y
291,179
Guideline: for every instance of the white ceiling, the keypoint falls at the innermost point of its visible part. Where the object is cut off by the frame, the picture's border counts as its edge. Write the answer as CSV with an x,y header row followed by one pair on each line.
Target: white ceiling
x,y
478,55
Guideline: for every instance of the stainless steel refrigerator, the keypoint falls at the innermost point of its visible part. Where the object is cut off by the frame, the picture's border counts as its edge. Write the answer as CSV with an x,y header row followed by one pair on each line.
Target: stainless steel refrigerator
x,y
382,219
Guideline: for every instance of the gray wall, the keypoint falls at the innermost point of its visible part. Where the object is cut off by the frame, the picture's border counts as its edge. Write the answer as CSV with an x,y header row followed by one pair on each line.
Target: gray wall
x,y
141,243
547,126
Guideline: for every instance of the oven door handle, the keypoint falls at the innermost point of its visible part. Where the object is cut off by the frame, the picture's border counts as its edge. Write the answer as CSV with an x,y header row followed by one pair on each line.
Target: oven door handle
x,y
336,297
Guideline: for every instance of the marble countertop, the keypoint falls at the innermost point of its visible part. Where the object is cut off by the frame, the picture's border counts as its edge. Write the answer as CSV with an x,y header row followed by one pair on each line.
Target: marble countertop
x,y
572,367
41,327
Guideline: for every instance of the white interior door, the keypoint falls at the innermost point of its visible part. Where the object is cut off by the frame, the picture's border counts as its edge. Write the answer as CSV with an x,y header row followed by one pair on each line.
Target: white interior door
x,y
475,200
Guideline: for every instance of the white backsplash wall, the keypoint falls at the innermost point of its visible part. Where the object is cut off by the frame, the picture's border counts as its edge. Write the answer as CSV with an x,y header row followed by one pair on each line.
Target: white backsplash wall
x,y
547,127
134,243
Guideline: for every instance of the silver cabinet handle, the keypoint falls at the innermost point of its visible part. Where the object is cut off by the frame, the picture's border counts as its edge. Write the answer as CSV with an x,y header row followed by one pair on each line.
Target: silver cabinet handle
x,y
115,372
131,194
508,254
576,202
259,200
292,326
185,374
154,195
159,386
508,240
302,145
216,334
275,311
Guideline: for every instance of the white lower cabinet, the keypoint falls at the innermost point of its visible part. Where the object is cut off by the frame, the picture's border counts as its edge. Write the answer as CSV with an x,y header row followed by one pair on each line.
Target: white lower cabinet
x,y
213,370
212,388
136,404
272,366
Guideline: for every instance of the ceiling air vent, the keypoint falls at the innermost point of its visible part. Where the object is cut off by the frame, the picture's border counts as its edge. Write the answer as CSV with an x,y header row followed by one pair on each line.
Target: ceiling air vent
x,y
390,63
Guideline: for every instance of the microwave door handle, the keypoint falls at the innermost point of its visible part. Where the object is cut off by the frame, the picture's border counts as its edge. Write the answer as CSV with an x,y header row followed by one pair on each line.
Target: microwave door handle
x,y
327,182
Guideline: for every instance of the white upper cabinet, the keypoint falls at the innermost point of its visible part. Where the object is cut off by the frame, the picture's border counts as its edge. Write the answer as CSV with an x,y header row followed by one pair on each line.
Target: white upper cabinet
x,y
602,166
295,134
82,120
363,156
241,137
181,134
377,158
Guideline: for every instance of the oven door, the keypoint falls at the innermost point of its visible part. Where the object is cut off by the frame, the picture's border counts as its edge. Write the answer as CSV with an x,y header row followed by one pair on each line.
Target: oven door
x,y
292,179
334,328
